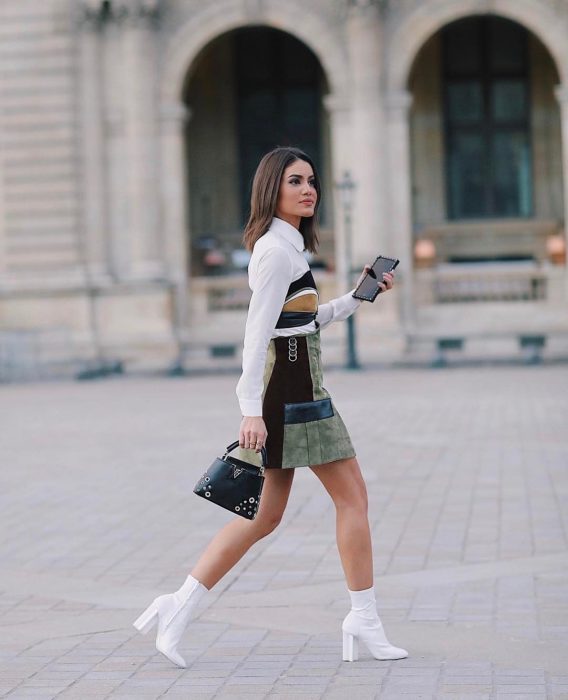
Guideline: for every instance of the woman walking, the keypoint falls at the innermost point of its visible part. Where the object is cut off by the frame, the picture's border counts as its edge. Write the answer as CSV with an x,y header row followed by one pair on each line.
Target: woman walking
x,y
286,409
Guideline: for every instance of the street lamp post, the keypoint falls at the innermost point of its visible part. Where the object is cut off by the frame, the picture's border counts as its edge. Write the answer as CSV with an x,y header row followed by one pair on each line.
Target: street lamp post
x,y
346,188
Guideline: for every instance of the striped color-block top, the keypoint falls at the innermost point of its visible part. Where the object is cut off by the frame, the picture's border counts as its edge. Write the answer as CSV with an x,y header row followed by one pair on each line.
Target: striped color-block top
x,y
301,303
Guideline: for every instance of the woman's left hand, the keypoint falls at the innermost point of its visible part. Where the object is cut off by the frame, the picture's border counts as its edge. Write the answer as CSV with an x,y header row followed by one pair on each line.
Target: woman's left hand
x,y
385,284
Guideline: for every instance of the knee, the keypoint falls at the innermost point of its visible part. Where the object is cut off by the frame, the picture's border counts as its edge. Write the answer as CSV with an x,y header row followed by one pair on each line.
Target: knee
x,y
265,524
356,501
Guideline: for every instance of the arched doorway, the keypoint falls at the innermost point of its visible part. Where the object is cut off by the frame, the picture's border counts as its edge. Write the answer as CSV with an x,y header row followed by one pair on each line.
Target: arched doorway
x,y
248,91
486,156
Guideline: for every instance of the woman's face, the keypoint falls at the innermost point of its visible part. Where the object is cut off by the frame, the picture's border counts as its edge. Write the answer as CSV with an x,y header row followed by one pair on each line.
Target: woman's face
x,y
297,196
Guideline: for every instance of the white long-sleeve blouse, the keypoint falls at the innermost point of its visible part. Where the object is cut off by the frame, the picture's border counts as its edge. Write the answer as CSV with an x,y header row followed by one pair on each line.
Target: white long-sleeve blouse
x,y
277,260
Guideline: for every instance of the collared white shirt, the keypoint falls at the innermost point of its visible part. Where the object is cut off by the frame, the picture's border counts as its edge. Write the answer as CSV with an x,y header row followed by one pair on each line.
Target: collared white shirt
x,y
277,260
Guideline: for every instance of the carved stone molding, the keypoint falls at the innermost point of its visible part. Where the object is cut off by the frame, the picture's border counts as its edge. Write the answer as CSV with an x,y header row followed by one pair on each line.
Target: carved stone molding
x,y
96,14
339,10
366,5
396,9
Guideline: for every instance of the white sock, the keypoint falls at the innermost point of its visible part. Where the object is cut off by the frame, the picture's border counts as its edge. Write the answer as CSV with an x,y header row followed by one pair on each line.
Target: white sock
x,y
364,602
191,586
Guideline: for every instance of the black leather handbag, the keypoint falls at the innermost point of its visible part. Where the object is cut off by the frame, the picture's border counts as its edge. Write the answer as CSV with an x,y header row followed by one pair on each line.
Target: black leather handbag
x,y
233,483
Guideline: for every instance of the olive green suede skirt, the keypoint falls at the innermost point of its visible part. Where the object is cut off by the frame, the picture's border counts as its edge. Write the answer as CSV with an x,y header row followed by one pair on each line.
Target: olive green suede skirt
x,y
303,424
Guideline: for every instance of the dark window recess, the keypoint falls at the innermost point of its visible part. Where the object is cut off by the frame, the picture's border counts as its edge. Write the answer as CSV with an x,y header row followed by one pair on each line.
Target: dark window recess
x,y
279,92
487,119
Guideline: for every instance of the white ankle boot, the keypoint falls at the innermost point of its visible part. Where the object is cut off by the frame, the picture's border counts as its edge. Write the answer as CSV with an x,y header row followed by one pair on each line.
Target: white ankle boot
x,y
172,612
363,623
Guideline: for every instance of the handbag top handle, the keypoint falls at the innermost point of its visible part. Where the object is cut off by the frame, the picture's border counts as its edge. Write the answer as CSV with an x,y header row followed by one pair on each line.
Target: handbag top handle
x,y
234,445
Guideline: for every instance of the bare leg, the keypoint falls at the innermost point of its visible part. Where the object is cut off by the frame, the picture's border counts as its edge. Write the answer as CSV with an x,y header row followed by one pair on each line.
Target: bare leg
x,y
237,536
344,482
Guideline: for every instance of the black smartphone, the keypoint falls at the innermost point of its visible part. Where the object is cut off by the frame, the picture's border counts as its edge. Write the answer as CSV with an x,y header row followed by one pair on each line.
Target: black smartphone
x,y
368,289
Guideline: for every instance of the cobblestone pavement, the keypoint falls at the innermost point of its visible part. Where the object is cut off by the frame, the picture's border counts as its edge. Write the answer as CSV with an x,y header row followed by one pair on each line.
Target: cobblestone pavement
x,y
467,471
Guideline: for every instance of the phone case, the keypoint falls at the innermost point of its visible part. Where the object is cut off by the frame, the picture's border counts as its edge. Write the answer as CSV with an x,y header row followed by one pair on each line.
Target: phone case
x,y
378,289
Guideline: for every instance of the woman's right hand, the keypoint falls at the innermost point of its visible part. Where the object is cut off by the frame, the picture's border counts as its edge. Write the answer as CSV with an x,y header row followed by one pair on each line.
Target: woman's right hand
x,y
252,433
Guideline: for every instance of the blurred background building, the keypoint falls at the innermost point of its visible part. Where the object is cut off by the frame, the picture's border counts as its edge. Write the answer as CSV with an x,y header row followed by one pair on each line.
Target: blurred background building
x,y
130,129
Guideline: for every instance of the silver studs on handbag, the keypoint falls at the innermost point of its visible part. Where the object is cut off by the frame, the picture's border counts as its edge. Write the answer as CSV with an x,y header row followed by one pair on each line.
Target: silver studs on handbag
x,y
249,505
202,485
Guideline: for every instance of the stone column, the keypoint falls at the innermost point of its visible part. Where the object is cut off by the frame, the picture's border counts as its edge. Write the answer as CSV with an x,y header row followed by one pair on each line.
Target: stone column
x,y
399,212
130,117
364,32
94,211
340,125
115,152
140,137
562,97
174,210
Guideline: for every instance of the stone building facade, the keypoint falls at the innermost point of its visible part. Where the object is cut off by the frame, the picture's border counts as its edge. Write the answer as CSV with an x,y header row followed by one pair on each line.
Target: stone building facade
x,y
129,130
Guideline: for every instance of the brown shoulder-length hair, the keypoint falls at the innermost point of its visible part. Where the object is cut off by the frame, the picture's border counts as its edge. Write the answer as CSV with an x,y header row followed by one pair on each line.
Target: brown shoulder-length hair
x,y
264,197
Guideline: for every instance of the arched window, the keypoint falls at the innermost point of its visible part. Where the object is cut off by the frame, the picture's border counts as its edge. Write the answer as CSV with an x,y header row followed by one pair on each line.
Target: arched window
x,y
485,67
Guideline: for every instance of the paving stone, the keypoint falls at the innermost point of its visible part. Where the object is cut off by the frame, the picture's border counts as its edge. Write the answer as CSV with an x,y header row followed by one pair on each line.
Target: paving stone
x,y
288,696
87,689
478,482
27,694
520,689
352,694
37,691
521,696
244,689
463,696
